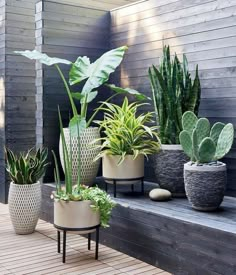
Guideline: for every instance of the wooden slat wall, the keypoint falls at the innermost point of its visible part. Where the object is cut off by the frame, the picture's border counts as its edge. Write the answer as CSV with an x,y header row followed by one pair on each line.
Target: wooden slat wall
x,y
2,102
202,29
20,75
17,80
66,31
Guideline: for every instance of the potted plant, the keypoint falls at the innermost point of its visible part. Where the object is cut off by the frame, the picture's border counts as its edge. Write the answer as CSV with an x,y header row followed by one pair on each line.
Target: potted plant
x,y
24,198
78,206
93,75
204,176
174,92
128,138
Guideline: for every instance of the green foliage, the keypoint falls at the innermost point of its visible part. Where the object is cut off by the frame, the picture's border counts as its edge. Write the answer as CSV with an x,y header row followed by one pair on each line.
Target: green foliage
x,y
93,75
27,168
174,92
127,133
101,201
202,143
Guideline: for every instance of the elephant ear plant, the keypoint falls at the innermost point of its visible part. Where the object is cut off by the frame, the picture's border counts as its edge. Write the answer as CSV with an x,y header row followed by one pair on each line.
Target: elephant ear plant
x,y
205,176
101,202
90,76
93,75
24,200
174,92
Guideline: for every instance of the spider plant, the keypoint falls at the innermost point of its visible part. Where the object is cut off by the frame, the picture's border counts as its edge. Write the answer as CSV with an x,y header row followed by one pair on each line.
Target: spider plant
x,y
126,132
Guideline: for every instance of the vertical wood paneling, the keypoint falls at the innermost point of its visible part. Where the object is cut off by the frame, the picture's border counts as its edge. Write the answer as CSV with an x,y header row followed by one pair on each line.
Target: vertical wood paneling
x,y
202,29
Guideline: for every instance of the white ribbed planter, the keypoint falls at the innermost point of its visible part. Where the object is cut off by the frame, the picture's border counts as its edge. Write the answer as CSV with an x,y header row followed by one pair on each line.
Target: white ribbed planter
x,y
24,202
89,168
75,214
205,185
128,169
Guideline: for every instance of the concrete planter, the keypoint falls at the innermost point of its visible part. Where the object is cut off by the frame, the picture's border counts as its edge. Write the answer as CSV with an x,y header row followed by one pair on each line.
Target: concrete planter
x,y
168,168
75,214
205,185
128,169
89,168
24,202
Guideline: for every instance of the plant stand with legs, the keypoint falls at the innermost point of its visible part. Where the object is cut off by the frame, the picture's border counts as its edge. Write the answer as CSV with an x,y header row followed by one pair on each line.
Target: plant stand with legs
x,y
80,231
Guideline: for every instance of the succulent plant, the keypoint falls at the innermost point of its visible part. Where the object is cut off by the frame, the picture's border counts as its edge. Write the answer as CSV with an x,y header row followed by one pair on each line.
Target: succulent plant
x,y
202,143
174,92
26,168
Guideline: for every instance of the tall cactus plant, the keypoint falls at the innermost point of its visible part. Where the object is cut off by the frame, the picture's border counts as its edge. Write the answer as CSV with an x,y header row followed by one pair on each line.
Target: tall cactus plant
x,y
202,143
174,92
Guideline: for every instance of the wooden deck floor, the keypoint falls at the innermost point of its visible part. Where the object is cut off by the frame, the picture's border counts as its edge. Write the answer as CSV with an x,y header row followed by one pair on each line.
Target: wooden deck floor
x,y
37,254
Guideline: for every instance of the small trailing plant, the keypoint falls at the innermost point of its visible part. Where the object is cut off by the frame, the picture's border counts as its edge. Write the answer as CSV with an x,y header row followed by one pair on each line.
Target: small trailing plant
x,y
202,143
126,132
93,75
26,168
174,92
101,201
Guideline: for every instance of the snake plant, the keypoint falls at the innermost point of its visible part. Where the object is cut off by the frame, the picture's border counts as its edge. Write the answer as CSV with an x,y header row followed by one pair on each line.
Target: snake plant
x,y
174,92
126,132
26,168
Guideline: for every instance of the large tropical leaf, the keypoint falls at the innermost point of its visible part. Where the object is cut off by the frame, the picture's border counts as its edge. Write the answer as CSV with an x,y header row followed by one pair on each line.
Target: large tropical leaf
x,y
77,126
97,72
43,58
133,92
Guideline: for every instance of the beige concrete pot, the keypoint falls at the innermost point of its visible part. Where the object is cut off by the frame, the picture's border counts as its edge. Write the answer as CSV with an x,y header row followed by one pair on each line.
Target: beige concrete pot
x,y
128,169
24,201
75,214
89,168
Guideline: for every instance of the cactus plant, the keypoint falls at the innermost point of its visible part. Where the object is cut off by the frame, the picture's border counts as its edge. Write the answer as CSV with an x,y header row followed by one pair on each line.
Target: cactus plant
x,y
174,92
202,143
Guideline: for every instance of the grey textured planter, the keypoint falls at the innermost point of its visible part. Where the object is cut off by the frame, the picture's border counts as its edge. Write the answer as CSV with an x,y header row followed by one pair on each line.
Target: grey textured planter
x,y
205,185
169,167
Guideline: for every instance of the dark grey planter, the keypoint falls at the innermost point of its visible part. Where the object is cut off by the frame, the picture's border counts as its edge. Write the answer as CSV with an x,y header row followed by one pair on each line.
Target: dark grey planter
x,y
205,185
169,167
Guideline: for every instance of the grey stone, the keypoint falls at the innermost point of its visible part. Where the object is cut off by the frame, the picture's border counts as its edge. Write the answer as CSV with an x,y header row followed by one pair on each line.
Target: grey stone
x,y
159,194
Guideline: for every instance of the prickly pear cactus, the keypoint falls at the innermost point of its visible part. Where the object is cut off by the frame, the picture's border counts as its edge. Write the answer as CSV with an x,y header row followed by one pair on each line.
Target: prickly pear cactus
x,y
202,143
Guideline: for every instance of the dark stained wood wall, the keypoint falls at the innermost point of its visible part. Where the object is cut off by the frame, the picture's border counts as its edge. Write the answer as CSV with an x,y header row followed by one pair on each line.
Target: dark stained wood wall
x,y
66,31
17,79
2,102
202,29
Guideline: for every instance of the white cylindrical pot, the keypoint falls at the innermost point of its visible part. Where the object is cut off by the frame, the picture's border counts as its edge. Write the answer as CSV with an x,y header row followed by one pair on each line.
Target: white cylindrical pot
x,y
168,168
205,185
75,215
24,202
89,168
129,169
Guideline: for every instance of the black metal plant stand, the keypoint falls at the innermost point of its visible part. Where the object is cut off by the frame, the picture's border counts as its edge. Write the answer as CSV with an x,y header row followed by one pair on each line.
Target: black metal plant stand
x,y
114,182
65,229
